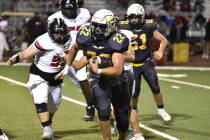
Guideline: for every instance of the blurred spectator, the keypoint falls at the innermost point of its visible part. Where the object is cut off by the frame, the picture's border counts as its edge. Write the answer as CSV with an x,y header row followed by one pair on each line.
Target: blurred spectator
x,y
56,3
185,5
169,5
178,30
3,42
200,21
198,6
207,39
36,26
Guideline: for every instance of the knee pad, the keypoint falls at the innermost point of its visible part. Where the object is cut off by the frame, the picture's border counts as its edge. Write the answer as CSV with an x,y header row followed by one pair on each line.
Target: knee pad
x,y
40,108
104,115
122,119
123,123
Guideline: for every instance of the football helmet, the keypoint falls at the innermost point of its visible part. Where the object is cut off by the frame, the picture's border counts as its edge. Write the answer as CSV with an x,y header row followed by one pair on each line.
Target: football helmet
x,y
136,10
103,24
57,30
69,8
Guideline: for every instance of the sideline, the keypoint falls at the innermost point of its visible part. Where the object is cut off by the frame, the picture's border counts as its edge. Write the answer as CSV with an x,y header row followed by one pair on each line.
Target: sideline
x,y
157,67
83,104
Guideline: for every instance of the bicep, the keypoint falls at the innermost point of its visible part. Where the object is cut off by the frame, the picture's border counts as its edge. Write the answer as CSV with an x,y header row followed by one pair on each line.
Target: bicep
x,y
118,60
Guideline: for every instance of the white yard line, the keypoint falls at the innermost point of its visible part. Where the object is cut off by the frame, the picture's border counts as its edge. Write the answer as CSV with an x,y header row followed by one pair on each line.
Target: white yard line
x,y
182,68
158,132
83,104
184,83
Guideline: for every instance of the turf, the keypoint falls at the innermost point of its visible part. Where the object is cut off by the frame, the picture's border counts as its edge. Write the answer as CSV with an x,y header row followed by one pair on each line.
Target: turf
x,y
188,105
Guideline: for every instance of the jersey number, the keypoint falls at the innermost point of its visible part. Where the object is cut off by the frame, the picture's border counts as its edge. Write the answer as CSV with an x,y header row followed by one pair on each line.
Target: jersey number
x,y
85,31
55,61
143,44
118,38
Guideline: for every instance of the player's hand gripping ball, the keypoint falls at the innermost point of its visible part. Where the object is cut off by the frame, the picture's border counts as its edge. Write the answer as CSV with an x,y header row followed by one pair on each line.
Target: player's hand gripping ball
x,y
103,62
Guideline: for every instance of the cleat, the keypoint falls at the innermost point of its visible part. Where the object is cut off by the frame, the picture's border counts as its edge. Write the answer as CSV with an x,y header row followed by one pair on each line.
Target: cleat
x,y
90,113
47,133
137,137
164,115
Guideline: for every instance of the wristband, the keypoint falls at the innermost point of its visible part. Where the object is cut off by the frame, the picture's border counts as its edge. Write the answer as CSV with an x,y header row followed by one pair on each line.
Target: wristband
x,y
16,58
99,71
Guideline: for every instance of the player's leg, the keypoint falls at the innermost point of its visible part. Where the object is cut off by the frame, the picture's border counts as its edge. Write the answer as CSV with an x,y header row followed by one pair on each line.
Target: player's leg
x,y
150,76
137,87
134,121
103,105
86,90
40,89
54,100
121,105
90,109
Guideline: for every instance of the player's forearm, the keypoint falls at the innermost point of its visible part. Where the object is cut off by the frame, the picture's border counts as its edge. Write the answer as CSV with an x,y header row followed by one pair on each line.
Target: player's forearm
x,y
71,56
111,71
163,44
78,64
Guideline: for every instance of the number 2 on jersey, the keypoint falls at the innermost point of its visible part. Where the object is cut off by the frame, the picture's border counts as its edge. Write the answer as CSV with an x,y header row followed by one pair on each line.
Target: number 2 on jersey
x,y
55,61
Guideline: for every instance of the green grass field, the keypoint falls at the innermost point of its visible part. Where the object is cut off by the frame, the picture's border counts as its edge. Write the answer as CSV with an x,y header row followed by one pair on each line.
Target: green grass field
x,y
189,105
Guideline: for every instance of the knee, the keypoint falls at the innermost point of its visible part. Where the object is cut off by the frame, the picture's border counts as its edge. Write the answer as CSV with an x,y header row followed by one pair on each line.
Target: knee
x,y
156,90
122,119
42,107
104,114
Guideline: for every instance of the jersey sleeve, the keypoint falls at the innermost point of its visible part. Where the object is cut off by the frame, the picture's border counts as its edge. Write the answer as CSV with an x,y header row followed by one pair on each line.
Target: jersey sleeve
x,y
39,44
151,25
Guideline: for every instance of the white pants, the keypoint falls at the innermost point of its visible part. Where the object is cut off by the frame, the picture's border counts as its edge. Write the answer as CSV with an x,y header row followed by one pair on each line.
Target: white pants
x,y
43,93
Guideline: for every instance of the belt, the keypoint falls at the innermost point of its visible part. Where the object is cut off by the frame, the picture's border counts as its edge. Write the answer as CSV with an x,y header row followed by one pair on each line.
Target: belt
x,y
137,64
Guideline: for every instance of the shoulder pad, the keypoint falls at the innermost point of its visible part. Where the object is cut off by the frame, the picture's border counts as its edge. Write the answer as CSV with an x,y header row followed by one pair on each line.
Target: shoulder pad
x,y
42,42
123,22
84,35
149,21
151,24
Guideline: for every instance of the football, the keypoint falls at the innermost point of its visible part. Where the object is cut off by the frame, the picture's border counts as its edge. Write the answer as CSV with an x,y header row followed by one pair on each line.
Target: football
x,y
103,62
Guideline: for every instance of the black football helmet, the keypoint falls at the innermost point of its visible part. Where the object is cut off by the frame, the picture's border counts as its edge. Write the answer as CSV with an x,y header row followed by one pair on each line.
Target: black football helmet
x,y
69,8
57,30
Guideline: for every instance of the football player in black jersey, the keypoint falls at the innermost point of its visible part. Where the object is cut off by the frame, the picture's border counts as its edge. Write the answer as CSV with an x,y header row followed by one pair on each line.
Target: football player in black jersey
x,y
143,65
108,84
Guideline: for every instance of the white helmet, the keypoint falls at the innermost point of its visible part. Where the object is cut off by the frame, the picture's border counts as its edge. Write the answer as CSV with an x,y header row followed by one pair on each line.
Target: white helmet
x,y
136,9
103,24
